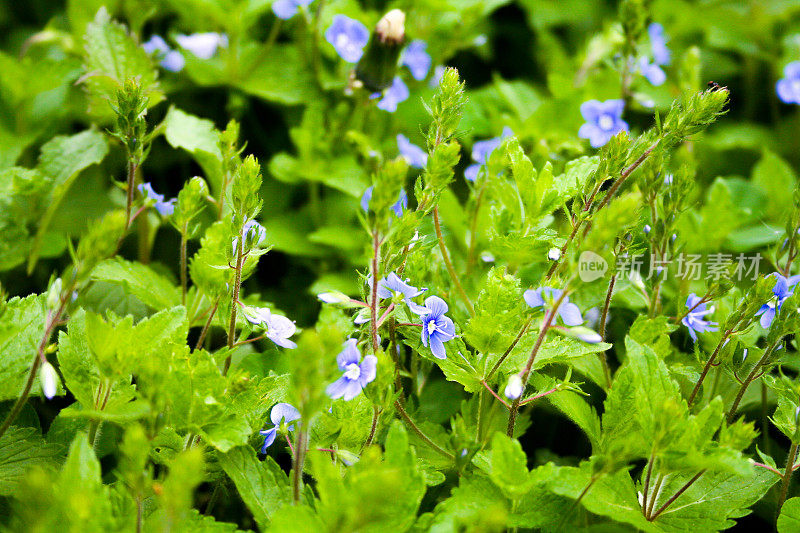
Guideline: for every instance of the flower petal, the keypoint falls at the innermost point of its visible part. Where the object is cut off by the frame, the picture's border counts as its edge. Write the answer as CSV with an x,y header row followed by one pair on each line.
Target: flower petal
x,y
269,438
369,369
570,314
283,412
437,347
437,306
349,355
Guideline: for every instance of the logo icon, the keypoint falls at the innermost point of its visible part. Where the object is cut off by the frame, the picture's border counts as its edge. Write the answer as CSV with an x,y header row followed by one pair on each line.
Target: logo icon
x,y
591,266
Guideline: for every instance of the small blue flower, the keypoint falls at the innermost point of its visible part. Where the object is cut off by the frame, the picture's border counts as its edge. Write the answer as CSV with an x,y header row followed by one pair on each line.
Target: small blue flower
x,y
279,328
282,413
413,154
356,373
417,59
436,328
396,93
392,286
164,208
788,87
651,71
568,311
781,291
202,45
348,36
438,72
694,320
170,59
481,151
254,234
397,208
658,43
286,9
603,121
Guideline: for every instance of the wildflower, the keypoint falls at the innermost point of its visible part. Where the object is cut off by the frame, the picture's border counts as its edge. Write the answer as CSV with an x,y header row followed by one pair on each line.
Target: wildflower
x,y
788,87
603,121
282,413
399,206
49,380
514,388
286,9
436,328
438,72
279,328
170,59
395,94
781,291
357,373
392,286
417,59
202,45
646,228
254,234
164,208
568,311
651,71
413,154
694,319
348,36
481,151
658,43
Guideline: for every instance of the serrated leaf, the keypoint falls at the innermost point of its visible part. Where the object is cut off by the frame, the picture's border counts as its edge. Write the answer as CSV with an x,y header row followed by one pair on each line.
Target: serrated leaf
x,y
139,280
21,329
789,519
198,137
21,449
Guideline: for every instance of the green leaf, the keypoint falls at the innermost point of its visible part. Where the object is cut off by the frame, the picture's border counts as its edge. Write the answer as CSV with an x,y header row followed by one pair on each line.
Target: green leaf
x,y
139,280
789,519
263,486
574,407
777,179
21,331
60,162
499,311
21,449
198,137
508,466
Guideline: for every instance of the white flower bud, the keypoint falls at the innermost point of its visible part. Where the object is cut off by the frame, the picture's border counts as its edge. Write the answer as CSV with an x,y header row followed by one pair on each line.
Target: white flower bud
x,y
554,254
392,26
54,294
49,380
514,389
646,229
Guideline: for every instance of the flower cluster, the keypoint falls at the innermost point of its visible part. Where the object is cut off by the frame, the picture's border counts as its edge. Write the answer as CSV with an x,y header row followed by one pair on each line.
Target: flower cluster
x,y
436,327
165,208
254,234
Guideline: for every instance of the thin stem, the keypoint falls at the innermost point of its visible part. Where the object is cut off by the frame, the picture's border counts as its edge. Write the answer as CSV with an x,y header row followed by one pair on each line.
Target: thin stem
x,y
376,246
771,469
656,492
499,399
603,322
419,433
385,315
207,325
398,384
512,417
540,395
787,477
448,264
236,286
298,459
646,491
676,495
129,193
748,380
376,413
513,344
183,266
583,493
707,367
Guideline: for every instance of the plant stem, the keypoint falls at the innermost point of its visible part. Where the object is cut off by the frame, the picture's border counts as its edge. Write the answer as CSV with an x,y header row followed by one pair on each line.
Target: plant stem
x,y
376,245
207,325
448,264
748,380
603,321
499,362
707,367
499,399
676,495
656,492
512,416
646,490
183,266
131,178
298,460
234,302
419,433
540,395
786,477
376,413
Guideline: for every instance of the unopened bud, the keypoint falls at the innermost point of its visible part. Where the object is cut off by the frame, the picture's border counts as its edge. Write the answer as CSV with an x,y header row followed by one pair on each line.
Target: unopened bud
x,y
49,380
554,254
54,294
392,27
514,388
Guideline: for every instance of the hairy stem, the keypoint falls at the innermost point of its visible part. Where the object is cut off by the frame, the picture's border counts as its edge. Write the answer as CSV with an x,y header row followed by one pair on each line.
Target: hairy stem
x,y
707,367
131,178
786,477
448,264
373,306
750,377
183,266
298,460
234,302
602,329
207,325
513,344
419,433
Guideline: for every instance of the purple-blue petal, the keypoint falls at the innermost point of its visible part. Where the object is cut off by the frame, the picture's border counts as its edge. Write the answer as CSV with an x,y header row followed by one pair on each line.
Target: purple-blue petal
x,y
417,59
413,154
437,348
348,355
570,314
269,438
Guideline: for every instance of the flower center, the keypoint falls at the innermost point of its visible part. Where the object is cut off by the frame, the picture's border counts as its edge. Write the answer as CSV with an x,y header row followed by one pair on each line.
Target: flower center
x,y
353,371
431,327
342,41
606,122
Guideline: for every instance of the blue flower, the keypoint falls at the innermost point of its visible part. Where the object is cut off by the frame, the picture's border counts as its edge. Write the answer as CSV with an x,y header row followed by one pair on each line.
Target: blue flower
x,y
413,154
279,328
170,59
788,87
481,151
254,234
394,287
417,59
356,373
202,45
282,413
603,121
436,328
286,9
658,43
438,72
781,291
164,208
396,93
651,71
568,311
694,319
348,36
397,208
